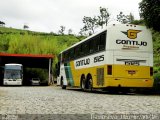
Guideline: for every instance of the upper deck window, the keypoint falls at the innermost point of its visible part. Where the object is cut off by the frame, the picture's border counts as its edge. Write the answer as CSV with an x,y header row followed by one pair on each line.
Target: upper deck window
x,y
78,51
102,41
90,46
85,48
98,42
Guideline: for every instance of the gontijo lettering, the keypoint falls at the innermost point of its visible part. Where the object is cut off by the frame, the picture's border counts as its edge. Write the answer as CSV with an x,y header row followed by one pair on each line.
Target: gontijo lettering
x,y
83,62
131,42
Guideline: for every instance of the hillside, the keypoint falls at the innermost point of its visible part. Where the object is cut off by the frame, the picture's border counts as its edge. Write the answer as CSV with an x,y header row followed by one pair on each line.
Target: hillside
x,y
23,41
28,42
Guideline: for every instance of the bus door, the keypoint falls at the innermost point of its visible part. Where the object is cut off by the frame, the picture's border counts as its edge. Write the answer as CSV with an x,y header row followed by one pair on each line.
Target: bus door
x,y
68,73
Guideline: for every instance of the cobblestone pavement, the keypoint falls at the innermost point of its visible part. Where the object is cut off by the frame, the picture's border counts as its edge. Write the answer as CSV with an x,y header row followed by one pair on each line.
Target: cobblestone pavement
x,y
54,100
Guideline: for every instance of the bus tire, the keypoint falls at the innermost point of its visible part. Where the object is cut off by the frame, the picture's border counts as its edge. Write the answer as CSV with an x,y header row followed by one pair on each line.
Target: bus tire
x,y
83,85
62,86
90,85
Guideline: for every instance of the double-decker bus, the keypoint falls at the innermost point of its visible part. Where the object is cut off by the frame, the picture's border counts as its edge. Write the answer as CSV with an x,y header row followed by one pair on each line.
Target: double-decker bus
x,y
13,74
120,56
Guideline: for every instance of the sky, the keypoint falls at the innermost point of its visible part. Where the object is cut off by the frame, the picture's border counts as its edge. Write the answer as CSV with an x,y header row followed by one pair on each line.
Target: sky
x,y
49,15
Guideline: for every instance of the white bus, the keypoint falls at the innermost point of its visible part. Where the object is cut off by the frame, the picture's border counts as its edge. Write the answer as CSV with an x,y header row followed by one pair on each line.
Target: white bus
x,y
13,74
121,56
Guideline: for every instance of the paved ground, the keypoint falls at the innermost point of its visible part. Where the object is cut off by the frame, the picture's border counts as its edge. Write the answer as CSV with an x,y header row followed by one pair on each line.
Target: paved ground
x,y
54,100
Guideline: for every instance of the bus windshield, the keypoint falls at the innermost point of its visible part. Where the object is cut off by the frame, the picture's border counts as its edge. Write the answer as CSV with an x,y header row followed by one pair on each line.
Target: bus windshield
x,y
12,74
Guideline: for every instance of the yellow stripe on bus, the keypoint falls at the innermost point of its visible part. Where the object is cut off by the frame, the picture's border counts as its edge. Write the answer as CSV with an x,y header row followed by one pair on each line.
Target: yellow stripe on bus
x,y
122,75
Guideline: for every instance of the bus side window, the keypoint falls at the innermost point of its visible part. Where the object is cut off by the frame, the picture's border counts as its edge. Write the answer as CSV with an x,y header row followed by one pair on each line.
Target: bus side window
x,y
72,53
92,44
97,43
63,57
85,48
75,51
66,56
78,51
102,41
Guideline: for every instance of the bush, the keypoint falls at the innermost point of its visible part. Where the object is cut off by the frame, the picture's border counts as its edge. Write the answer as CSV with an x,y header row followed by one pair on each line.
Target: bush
x,y
156,85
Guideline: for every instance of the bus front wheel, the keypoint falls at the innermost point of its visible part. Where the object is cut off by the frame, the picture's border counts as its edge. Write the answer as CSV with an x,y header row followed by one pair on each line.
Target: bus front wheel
x,y
62,85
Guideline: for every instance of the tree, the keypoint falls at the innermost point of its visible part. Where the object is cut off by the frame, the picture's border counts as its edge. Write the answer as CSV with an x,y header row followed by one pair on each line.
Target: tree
x,y
131,18
104,17
138,22
70,32
2,23
25,27
125,18
82,32
150,12
89,24
62,29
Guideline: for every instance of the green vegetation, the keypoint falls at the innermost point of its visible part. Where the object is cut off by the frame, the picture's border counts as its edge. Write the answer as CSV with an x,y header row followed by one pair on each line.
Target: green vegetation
x,y
156,85
28,42
21,41
150,12
156,50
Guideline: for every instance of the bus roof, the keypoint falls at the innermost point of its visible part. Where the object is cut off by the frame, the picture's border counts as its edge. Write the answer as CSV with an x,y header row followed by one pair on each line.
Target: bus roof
x,y
105,29
13,64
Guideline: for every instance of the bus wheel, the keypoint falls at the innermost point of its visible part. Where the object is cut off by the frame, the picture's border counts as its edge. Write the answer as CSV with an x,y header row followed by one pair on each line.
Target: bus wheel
x,y
83,85
63,86
90,85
